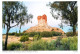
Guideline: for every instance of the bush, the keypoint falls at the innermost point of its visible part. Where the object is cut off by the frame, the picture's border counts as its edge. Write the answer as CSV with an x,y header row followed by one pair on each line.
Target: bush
x,y
36,37
50,45
56,33
17,34
24,38
73,43
69,43
31,34
14,46
65,44
46,34
12,33
69,34
58,44
38,45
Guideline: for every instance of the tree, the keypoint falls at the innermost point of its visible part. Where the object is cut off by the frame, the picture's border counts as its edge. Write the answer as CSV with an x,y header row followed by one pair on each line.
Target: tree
x,y
67,11
13,13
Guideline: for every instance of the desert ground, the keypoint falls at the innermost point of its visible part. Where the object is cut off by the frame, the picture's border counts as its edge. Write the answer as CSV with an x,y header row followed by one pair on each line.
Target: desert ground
x,y
17,39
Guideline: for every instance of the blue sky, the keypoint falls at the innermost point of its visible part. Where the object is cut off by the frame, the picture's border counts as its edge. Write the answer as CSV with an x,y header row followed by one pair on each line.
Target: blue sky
x,y
38,8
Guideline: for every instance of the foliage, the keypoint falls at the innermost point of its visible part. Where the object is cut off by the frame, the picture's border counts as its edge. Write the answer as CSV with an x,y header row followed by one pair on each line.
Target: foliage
x,y
70,34
18,34
14,46
65,44
31,34
66,11
57,44
56,33
38,45
24,38
73,43
13,13
50,45
36,37
12,33
46,34
69,43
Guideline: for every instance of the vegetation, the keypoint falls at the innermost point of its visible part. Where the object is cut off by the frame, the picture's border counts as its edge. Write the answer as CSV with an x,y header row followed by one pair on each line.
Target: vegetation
x,y
67,11
69,43
70,34
45,34
60,44
36,37
14,46
13,12
24,38
38,45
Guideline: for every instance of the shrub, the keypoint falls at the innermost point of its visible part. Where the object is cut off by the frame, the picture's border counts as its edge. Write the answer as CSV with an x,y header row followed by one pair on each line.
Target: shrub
x,y
50,45
24,38
69,43
14,46
56,33
31,34
17,34
69,34
38,45
36,37
65,44
12,33
57,44
73,43
46,34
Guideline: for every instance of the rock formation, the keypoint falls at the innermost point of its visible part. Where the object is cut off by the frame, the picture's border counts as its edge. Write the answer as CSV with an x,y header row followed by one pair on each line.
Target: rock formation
x,y
43,26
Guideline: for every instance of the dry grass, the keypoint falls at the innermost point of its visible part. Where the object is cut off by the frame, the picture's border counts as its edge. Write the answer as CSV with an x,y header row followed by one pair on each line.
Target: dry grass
x,y
16,39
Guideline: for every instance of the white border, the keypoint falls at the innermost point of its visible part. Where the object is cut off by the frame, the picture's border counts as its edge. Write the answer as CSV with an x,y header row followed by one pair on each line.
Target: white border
x,y
39,52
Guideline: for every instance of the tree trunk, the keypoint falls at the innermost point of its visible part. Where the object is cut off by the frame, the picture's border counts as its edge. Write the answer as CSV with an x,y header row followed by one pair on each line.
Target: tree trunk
x,y
6,38
74,30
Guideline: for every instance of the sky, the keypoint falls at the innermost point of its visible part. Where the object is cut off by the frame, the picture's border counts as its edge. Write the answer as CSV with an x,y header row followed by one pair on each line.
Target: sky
x,y
38,8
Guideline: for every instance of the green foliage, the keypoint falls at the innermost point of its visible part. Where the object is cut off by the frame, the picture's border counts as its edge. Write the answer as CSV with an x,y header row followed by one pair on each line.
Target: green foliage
x,y
24,38
69,43
57,44
36,37
38,45
73,43
18,34
70,34
31,34
14,46
13,12
50,45
12,33
65,44
56,33
67,11
46,34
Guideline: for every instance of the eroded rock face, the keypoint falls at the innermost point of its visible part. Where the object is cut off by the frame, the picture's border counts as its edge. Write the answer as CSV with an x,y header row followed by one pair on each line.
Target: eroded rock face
x,y
43,26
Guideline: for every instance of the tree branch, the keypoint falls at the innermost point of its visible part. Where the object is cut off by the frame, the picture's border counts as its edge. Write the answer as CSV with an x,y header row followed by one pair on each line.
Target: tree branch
x,y
6,24
14,25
